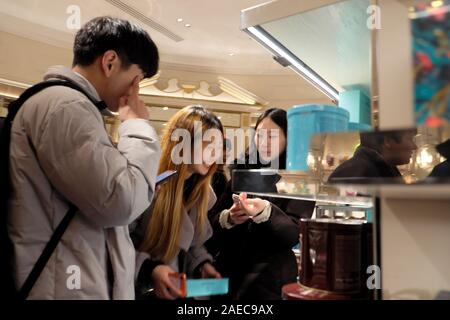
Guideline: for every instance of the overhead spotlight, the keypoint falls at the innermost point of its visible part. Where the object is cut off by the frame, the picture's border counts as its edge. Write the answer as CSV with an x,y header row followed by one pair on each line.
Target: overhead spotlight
x,y
180,20
187,25
437,3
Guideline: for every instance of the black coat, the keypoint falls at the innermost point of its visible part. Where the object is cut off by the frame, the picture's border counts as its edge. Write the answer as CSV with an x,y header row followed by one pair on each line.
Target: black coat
x,y
218,183
365,163
258,258
441,170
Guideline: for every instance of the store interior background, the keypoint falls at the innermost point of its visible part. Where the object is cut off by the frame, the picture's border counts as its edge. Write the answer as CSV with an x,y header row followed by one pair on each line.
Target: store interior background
x,y
205,49
206,54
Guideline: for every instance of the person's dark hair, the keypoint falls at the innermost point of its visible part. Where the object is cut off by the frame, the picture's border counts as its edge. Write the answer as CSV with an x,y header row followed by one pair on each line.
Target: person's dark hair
x,y
279,117
207,117
375,140
131,42
444,148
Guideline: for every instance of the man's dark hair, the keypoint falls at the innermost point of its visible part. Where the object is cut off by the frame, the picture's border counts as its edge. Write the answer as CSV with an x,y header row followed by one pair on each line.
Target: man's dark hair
x,y
131,42
375,140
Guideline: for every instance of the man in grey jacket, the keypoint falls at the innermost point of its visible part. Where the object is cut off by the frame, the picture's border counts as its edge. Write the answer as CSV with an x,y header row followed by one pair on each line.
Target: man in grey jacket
x,y
61,153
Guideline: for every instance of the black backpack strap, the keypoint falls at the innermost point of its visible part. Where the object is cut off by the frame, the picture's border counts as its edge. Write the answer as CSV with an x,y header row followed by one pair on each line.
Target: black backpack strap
x,y
5,140
46,253
16,105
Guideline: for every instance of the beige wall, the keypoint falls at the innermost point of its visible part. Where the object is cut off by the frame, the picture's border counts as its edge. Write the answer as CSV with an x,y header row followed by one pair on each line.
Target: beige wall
x,y
395,71
414,247
25,60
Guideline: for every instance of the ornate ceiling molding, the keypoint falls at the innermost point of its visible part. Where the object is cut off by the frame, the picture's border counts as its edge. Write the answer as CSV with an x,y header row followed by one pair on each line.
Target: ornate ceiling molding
x,y
224,90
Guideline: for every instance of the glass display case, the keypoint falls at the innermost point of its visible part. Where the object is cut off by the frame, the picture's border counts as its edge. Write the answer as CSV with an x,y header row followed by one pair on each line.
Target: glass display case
x,y
296,185
410,215
340,230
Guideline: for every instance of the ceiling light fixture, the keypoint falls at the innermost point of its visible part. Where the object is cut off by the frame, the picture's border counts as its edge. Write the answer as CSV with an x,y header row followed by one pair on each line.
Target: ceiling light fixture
x,y
14,83
187,25
231,54
289,59
437,3
136,13
8,95
180,20
165,108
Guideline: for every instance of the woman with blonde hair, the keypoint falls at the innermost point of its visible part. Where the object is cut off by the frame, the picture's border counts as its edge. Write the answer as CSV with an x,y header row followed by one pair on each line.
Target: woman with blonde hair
x,y
170,236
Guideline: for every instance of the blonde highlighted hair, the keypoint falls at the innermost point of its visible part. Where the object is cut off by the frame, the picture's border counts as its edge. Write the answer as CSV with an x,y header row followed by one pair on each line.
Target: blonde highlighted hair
x,y
162,233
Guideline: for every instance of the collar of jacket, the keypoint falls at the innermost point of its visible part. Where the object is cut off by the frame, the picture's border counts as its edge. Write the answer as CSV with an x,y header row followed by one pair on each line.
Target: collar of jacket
x,y
376,157
64,73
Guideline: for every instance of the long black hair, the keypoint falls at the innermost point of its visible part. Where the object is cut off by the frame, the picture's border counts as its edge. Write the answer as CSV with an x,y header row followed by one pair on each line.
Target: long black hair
x,y
279,117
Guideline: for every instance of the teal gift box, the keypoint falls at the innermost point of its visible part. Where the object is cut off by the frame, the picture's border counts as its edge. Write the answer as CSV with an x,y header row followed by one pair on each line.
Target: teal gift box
x,y
306,120
206,287
357,103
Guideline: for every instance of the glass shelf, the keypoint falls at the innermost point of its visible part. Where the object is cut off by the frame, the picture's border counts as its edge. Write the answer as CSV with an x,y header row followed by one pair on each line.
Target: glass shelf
x,y
423,191
301,185
296,185
356,202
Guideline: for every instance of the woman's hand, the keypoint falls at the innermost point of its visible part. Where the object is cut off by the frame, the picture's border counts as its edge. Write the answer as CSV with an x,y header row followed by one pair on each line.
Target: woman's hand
x,y
163,286
208,271
252,207
237,215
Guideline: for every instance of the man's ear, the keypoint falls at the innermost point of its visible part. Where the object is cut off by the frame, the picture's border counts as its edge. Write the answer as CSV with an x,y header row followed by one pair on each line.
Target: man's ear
x,y
388,143
110,63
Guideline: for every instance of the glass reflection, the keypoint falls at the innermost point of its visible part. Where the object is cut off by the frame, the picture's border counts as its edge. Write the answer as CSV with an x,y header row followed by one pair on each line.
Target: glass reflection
x,y
396,156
